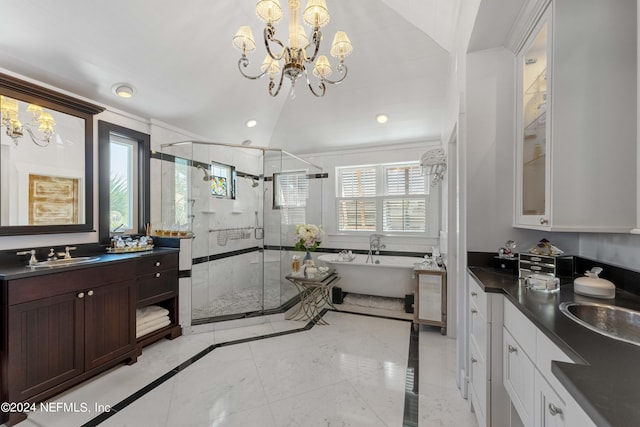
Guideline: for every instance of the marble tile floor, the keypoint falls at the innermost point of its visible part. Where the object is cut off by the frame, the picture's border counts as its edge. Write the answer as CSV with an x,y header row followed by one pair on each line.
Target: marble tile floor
x,y
352,372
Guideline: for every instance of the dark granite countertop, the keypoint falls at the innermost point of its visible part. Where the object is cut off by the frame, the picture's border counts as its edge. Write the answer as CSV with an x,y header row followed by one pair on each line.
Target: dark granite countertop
x,y
605,380
19,269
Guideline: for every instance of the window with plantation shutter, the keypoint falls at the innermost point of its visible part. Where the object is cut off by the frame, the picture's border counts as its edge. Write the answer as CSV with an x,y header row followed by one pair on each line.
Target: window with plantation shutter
x,y
291,191
389,198
404,204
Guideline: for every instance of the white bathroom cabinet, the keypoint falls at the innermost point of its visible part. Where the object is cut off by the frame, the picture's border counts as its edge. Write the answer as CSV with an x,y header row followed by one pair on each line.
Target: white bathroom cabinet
x,y
576,117
537,396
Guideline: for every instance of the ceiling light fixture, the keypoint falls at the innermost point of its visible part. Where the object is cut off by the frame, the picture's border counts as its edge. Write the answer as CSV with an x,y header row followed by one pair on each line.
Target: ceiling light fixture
x,y
251,123
382,118
123,90
42,121
292,60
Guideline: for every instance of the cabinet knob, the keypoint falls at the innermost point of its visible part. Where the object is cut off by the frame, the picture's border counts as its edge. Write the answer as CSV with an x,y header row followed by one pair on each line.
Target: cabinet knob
x,y
474,360
512,349
81,295
544,221
157,274
90,293
474,311
157,263
474,294
554,410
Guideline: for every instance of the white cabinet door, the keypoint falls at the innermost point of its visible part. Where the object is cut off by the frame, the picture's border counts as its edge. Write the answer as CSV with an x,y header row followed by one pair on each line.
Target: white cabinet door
x,y
479,383
534,127
549,408
518,377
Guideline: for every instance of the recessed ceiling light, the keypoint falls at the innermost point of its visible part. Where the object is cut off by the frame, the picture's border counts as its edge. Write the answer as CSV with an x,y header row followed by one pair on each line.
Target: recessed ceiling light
x,y
251,123
382,118
123,90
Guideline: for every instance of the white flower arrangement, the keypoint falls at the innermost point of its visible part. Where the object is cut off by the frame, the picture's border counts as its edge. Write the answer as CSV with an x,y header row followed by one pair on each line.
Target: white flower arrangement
x,y
308,236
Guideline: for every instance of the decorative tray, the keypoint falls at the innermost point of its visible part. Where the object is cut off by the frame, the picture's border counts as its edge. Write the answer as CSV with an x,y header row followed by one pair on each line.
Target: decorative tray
x,y
129,249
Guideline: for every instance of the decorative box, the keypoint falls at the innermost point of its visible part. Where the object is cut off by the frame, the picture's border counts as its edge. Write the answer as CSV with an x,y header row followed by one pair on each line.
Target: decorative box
x,y
551,265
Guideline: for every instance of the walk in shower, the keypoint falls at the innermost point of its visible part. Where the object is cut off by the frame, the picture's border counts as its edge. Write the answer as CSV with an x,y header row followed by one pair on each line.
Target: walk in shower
x,y
239,207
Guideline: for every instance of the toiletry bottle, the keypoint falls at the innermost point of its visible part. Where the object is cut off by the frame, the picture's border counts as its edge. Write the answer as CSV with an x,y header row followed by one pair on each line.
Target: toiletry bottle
x,y
295,264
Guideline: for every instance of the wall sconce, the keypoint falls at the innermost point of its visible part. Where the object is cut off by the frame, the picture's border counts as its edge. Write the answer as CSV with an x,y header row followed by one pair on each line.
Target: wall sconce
x,y
434,163
42,121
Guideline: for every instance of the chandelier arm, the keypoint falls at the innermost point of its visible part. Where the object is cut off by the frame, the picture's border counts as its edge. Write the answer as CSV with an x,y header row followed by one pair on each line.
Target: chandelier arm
x,y
315,40
244,62
321,86
42,142
269,32
340,69
272,85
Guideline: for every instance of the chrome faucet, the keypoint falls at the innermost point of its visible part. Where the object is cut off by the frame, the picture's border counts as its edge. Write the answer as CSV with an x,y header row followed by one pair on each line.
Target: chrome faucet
x,y
33,260
66,254
374,245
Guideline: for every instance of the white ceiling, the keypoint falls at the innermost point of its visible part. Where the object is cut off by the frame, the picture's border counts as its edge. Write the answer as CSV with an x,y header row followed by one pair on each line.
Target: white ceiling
x,y
179,58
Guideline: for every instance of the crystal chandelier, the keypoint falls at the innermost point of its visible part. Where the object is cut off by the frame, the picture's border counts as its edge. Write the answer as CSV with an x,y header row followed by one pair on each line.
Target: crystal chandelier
x,y
42,121
292,60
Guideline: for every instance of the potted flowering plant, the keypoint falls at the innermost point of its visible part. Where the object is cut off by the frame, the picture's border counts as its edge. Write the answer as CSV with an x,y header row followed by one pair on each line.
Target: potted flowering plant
x,y
308,237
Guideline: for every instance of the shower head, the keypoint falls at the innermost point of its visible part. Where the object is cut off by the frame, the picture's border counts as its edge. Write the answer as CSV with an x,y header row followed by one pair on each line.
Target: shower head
x,y
206,176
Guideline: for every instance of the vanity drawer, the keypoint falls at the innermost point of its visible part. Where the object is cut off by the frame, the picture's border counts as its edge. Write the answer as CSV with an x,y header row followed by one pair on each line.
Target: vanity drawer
x,y
478,297
157,286
154,263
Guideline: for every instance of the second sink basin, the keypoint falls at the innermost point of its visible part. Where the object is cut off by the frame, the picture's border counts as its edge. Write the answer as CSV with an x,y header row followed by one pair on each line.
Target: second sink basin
x,y
65,262
612,321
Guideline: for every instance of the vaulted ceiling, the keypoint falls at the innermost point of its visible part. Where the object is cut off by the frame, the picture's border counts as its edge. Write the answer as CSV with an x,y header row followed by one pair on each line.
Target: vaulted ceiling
x,y
179,58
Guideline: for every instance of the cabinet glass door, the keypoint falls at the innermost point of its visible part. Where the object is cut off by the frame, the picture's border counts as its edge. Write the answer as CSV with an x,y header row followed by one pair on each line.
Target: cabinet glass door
x,y
533,130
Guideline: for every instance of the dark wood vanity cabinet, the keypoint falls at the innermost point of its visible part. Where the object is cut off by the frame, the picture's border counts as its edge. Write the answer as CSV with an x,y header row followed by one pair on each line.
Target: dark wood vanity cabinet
x,y
65,327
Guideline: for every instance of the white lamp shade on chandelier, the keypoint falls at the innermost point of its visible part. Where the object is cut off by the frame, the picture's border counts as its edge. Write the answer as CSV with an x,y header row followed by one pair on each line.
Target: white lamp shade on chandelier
x,y
301,52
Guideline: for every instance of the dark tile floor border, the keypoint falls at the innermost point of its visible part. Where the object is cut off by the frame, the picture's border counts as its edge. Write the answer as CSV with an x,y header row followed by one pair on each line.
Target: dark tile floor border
x,y
410,415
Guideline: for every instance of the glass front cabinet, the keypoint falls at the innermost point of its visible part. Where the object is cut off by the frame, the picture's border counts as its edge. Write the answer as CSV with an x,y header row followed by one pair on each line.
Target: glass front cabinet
x,y
533,126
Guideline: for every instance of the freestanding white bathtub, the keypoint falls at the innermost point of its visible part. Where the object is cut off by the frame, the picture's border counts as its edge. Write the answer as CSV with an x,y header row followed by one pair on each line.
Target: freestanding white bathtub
x,y
392,277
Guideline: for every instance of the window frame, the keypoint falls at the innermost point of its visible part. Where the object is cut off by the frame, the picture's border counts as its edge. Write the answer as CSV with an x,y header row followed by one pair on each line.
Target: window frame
x,y
143,199
382,195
